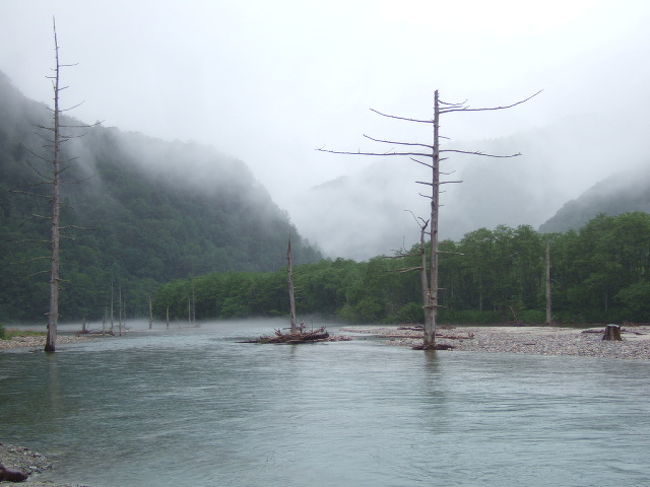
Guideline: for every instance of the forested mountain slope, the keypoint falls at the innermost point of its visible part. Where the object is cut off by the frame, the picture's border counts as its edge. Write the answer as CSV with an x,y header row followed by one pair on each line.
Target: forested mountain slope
x,y
624,192
148,211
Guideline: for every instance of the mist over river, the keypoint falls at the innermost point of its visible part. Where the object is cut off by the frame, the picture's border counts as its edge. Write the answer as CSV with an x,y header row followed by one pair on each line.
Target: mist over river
x,y
192,407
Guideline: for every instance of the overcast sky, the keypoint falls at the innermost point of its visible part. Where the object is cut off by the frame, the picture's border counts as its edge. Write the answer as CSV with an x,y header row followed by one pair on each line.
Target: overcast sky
x,y
269,81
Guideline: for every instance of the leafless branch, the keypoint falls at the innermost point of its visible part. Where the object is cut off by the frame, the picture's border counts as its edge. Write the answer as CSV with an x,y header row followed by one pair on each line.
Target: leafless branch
x,y
397,143
400,118
484,154
83,126
450,182
430,166
409,269
37,273
76,227
29,193
358,153
486,109
72,107
421,222
460,104
398,255
33,259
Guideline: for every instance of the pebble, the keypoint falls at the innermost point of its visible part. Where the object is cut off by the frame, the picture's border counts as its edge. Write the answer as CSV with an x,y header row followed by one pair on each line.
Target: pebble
x,y
37,342
528,340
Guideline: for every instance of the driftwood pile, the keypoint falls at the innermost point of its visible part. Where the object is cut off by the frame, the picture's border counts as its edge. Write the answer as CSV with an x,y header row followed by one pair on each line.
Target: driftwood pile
x,y
95,332
301,336
437,346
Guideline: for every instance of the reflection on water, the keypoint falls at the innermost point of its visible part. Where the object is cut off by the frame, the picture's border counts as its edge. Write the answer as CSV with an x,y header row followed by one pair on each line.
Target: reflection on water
x,y
193,407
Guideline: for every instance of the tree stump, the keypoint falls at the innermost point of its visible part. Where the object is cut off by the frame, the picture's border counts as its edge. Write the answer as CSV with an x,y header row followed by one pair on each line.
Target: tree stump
x,y
612,332
7,475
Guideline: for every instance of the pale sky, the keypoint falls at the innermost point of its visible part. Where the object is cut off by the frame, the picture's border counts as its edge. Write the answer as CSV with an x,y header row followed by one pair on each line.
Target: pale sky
x,y
270,81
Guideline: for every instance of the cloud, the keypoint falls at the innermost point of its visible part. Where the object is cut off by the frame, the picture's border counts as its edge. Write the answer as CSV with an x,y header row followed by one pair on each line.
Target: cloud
x,y
268,82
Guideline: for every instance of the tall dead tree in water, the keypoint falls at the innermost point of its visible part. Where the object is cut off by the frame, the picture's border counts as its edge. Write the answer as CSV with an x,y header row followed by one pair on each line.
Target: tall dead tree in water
x,y
55,233
57,166
292,296
432,152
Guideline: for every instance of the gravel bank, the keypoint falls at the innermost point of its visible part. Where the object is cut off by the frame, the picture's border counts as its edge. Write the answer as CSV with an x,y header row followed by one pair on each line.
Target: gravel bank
x,y
536,340
29,462
37,342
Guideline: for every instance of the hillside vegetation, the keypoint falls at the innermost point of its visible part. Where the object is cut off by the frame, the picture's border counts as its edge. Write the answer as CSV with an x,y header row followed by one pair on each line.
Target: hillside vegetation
x,y
600,273
138,211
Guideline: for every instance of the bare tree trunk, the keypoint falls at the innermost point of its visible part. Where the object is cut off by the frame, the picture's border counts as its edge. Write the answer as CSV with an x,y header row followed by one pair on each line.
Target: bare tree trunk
x,y
549,296
431,303
119,309
112,307
167,317
424,273
292,297
53,314
150,313
193,305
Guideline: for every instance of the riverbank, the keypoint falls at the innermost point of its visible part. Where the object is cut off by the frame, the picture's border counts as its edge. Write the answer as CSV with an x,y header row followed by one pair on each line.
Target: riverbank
x,y
28,462
534,340
38,342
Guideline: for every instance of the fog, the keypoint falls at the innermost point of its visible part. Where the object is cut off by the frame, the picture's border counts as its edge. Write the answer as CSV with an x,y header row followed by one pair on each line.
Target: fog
x,y
269,82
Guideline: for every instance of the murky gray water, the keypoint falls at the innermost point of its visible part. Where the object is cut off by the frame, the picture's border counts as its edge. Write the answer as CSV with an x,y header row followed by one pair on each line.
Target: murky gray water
x,y
193,408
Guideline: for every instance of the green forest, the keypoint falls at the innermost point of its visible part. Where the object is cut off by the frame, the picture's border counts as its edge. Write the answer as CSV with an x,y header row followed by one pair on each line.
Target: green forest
x,y
600,273
137,212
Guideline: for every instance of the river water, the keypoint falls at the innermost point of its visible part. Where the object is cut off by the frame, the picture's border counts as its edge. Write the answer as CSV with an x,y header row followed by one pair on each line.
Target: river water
x,y
192,407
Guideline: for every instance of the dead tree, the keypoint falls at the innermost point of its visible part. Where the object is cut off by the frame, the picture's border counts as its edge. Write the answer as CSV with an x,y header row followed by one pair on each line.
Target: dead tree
x,y
150,312
292,296
55,233
432,152
56,164
112,307
549,296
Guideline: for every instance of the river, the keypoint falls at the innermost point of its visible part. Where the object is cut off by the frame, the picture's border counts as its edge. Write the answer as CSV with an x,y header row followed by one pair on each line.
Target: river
x,y
192,407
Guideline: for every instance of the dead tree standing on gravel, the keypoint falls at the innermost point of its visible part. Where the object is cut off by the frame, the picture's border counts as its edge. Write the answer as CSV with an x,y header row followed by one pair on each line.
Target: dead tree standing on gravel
x,y
432,152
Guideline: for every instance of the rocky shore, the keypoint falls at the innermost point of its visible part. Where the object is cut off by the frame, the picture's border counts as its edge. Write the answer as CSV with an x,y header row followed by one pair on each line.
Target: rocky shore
x,y
28,462
536,340
37,342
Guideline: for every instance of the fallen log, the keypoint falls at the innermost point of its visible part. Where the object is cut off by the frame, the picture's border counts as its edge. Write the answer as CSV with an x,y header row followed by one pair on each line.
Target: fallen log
x,y
301,336
439,346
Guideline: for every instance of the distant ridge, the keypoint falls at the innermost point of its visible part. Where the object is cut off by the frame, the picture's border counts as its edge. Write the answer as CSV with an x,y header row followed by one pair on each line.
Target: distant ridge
x,y
153,211
622,193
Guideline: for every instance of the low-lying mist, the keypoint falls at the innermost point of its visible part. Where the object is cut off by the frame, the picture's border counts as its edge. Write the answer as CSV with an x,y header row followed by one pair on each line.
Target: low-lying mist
x,y
364,214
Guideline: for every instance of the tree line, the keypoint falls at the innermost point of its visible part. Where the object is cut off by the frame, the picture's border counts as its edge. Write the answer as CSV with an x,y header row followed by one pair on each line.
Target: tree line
x,y
599,273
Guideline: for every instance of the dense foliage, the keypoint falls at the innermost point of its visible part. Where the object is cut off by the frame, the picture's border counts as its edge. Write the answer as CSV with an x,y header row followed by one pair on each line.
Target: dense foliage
x,y
599,274
137,212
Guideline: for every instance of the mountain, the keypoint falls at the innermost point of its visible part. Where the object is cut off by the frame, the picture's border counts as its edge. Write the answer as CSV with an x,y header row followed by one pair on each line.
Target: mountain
x,y
621,193
366,209
138,211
